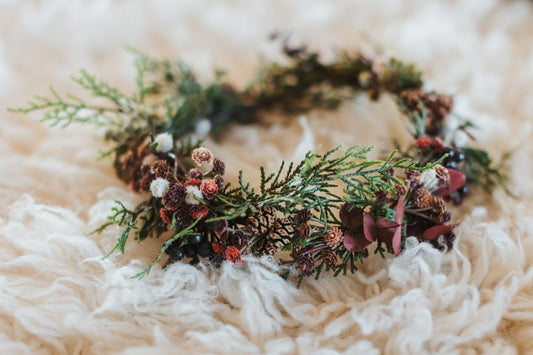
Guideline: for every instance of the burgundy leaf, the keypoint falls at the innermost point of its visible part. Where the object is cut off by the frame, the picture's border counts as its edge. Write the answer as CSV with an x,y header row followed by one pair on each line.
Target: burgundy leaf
x,y
355,242
370,229
438,230
352,218
398,217
457,180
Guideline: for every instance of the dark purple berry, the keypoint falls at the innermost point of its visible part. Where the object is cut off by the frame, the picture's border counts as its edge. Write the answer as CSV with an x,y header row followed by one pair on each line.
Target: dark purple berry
x,y
175,251
459,156
452,164
204,249
195,239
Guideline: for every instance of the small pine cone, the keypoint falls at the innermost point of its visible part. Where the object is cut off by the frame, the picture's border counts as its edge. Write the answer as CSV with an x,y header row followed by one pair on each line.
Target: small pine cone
x,y
303,216
333,237
400,189
183,216
196,174
306,264
219,167
199,211
261,222
329,256
413,176
219,180
174,197
161,169
423,198
304,230
237,239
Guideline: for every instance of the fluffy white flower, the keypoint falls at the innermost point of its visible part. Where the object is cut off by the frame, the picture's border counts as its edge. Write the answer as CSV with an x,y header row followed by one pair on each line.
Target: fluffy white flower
x,y
158,187
193,192
165,141
430,180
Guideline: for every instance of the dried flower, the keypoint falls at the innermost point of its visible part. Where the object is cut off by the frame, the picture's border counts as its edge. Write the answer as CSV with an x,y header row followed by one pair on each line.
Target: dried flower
x,y
217,248
193,182
193,194
203,158
209,189
234,255
166,215
195,174
218,166
199,211
429,180
174,197
165,142
158,187
333,237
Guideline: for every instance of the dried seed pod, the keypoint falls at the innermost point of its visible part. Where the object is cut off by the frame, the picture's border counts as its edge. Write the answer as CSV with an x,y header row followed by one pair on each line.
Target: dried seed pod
x,y
334,237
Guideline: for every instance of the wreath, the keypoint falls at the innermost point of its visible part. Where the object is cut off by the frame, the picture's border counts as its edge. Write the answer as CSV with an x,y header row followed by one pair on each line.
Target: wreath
x,y
157,148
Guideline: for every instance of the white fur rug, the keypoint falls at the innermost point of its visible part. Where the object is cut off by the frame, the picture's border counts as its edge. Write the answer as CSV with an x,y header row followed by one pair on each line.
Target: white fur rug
x,y
57,296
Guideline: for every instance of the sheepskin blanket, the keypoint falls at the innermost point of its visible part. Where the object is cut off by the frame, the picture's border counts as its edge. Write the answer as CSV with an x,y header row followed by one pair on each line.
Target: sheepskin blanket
x,y
57,295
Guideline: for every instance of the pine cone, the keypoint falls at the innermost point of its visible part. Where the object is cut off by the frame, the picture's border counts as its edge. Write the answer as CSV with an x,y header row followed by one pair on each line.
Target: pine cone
x,y
333,237
183,216
161,169
303,216
174,197
280,236
329,256
307,264
260,223
218,166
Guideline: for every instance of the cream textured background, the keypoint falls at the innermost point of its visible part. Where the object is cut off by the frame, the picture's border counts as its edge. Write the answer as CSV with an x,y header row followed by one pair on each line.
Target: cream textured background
x,y
58,297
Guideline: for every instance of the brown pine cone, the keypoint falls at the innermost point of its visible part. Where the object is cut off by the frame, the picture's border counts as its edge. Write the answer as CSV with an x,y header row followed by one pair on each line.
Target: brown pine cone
x,y
329,256
218,166
196,174
261,222
174,197
280,236
334,237
306,264
161,169
303,216
183,216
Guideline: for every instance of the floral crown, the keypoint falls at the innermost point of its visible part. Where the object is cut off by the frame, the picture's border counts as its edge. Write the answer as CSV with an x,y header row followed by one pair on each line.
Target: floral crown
x,y
157,149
